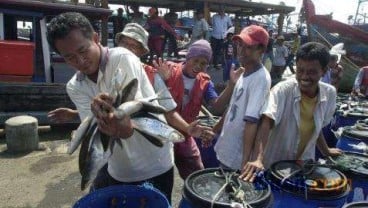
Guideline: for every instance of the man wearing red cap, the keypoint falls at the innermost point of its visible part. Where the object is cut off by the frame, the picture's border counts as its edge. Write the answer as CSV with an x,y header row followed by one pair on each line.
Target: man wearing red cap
x,y
239,129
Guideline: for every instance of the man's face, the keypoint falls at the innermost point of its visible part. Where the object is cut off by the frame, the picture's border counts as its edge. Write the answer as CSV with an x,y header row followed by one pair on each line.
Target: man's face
x,y
247,53
132,45
308,74
81,53
199,15
195,65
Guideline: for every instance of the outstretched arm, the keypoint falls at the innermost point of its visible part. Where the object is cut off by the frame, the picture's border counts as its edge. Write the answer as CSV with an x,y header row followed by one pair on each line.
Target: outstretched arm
x,y
62,115
193,129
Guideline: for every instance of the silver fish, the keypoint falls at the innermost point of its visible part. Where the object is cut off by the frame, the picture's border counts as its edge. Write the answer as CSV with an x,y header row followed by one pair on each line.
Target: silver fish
x,y
92,158
157,129
79,133
94,153
127,94
132,107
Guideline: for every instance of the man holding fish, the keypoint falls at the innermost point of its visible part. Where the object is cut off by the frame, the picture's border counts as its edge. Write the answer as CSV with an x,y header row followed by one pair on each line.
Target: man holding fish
x,y
137,160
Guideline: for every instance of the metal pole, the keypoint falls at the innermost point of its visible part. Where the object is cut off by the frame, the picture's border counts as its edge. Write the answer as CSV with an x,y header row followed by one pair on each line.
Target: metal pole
x,y
104,27
357,11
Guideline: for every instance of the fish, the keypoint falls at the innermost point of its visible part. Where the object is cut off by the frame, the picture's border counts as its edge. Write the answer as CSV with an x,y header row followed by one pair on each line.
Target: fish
x,y
93,154
132,107
92,158
79,134
156,130
127,94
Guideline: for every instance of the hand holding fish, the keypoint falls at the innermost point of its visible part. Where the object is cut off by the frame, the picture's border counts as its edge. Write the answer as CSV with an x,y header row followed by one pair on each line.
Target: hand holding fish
x,y
108,123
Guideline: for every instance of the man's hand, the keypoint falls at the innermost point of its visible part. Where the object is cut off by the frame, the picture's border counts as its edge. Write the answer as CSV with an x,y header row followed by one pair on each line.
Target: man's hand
x,y
334,151
235,74
62,115
107,123
250,170
164,68
203,132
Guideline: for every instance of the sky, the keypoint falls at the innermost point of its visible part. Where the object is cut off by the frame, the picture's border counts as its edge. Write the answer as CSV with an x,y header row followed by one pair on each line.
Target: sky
x,y
341,8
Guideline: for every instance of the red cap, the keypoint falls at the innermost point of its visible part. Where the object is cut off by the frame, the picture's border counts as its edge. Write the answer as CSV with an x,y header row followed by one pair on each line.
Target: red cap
x,y
253,35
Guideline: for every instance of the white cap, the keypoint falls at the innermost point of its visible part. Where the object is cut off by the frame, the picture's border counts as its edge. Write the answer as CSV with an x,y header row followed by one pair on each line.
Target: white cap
x,y
338,50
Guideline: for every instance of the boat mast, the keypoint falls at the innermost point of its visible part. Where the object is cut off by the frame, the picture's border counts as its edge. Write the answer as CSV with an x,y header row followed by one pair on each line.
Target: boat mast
x,y
358,14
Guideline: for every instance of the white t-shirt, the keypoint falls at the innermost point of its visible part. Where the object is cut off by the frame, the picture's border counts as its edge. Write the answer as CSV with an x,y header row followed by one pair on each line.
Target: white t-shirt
x,y
249,95
188,86
138,159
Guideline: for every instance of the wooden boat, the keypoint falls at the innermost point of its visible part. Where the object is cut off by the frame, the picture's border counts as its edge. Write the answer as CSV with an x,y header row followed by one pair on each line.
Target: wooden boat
x,y
34,94
324,29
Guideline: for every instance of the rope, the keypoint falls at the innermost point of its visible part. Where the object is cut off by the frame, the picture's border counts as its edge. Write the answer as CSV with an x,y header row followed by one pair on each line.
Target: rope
x,y
228,181
304,173
221,189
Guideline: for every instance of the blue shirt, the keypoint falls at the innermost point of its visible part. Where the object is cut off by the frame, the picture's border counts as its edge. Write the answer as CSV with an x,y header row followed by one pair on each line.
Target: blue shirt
x,y
220,24
210,92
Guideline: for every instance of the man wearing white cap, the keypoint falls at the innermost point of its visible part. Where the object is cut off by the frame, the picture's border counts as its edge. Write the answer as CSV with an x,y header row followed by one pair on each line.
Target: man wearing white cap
x,y
134,38
334,71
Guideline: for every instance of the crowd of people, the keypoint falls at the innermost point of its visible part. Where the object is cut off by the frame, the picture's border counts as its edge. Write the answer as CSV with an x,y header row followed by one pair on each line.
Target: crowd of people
x,y
218,31
260,124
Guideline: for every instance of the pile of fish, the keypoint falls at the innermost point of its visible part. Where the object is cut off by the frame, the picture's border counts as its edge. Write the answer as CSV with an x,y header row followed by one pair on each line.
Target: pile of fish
x,y
96,147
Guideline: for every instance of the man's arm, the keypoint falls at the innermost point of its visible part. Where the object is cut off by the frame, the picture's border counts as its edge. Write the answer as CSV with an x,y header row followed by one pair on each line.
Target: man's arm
x,y
229,24
175,120
62,115
168,28
249,135
263,132
324,149
358,82
204,28
219,104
